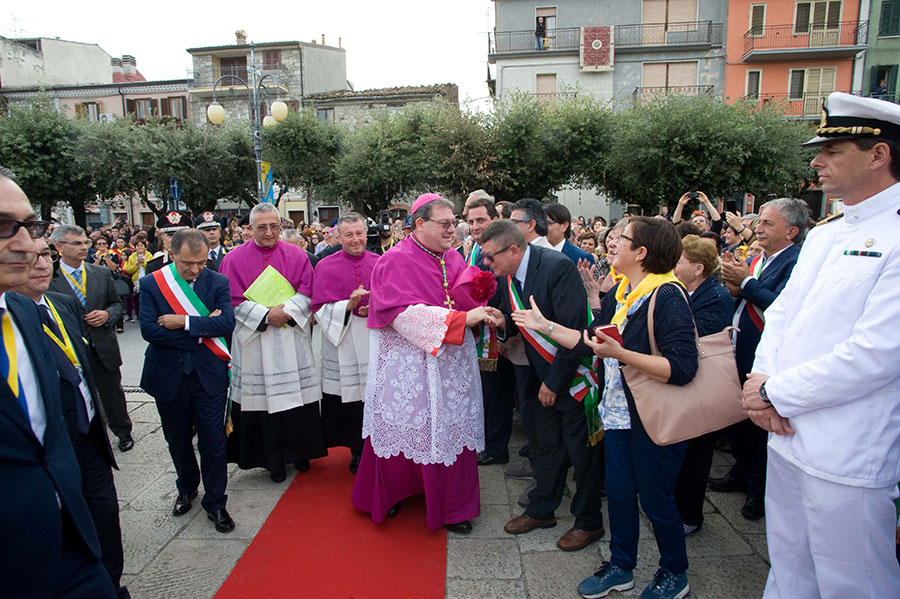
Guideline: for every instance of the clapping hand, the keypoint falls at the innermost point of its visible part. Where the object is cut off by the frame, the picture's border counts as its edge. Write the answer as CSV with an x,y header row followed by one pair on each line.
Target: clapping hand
x,y
591,286
734,271
531,319
355,297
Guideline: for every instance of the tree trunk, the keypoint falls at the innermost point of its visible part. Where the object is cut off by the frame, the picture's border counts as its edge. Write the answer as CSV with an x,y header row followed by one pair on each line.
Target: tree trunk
x,y
80,214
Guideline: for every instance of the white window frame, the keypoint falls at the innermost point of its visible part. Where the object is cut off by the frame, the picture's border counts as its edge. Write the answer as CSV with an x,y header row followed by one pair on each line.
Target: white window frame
x,y
750,18
747,83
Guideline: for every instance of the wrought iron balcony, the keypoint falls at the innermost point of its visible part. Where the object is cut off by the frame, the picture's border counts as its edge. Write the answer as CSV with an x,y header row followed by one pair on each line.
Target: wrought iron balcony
x,y
650,93
553,98
804,106
785,42
694,33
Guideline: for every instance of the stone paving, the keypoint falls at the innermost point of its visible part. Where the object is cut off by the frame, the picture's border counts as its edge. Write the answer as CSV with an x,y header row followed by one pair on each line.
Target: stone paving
x,y
167,557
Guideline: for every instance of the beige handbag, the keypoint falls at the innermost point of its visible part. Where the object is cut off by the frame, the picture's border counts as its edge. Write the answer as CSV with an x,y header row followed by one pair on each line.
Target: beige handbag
x,y
712,401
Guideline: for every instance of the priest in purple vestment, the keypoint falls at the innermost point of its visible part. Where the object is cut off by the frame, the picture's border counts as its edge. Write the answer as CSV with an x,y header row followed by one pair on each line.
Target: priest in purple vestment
x,y
423,420
275,383
341,302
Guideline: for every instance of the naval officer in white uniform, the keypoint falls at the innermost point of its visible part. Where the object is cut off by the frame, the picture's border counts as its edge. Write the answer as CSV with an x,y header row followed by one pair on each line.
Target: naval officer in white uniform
x,y
826,380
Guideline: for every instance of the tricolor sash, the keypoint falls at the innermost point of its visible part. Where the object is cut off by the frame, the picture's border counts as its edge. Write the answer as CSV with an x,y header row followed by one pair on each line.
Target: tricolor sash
x,y
755,314
473,255
585,386
184,300
486,348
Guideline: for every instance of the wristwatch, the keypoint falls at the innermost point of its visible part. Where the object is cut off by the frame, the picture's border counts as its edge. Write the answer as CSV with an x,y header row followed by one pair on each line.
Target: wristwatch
x,y
762,393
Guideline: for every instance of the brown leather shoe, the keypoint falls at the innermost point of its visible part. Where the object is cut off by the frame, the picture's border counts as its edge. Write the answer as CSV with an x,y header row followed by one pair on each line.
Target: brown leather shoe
x,y
526,523
576,538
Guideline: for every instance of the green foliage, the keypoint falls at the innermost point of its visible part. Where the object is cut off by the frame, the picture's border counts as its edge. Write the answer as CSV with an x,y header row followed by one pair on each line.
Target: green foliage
x,y
664,148
39,144
302,149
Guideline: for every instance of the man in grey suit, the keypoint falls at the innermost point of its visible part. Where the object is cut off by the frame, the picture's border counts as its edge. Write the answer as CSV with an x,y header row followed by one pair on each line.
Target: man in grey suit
x,y
92,287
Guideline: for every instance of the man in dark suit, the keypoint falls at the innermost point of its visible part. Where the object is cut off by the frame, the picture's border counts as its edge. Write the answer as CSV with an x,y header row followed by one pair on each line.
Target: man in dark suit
x,y
186,368
560,431
49,547
207,223
756,284
78,400
559,221
101,307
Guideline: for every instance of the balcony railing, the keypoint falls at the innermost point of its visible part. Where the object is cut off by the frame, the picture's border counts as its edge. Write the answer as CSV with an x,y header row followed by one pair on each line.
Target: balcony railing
x,y
553,98
523,41
669,34
650,93
786,37
804,105
650,34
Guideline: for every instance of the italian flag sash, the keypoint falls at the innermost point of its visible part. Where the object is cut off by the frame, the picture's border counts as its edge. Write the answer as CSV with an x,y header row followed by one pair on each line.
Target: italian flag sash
x,y
183,300
585,386
473,255
486,348
755,314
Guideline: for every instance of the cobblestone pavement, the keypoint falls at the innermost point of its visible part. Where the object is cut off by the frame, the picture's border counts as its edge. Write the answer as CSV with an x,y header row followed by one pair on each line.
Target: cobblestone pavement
x,y
167,557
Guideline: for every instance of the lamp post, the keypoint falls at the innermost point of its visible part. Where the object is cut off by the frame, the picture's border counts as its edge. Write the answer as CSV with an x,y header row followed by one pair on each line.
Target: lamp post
x,y
215,112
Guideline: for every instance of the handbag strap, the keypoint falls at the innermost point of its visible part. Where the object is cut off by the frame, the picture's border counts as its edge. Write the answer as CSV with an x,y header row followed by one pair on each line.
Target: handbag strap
x,y
654,350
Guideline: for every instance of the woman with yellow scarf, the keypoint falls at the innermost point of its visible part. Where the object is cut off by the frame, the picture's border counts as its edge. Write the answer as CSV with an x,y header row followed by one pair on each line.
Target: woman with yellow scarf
x,y
648,251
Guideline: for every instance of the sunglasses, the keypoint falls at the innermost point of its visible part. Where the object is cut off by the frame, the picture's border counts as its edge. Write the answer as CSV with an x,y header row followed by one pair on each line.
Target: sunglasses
x,y
36,228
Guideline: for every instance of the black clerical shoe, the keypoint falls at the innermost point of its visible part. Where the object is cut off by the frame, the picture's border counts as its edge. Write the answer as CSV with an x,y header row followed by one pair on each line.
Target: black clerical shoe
x,y
302,465
126,443
461,528
727,484
393,511
223,521
354,464
183,503
523,451
754,508
484,459
278,477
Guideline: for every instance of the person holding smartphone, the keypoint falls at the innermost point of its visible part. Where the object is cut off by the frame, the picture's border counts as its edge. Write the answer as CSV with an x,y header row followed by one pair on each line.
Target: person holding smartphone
x,y
713,223
648,251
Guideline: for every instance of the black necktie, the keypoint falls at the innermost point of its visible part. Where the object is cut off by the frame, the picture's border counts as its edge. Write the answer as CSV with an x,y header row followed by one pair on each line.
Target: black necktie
x,y
68,371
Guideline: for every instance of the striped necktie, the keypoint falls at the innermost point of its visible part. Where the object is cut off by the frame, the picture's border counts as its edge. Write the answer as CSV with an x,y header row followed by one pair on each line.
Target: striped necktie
x,y
9,368
76,275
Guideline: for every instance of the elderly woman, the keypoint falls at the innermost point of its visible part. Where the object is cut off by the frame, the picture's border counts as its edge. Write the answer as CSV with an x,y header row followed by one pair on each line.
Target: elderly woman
x,y
647,253
713,309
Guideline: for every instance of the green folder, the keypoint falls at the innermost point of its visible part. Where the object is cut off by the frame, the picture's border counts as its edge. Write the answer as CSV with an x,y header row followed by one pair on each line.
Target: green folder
x,y
270,289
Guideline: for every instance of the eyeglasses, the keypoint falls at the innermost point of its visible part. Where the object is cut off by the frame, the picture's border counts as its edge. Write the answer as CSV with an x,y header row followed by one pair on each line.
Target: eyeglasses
x,y
36,228
520,220
444,224
491,257
262,228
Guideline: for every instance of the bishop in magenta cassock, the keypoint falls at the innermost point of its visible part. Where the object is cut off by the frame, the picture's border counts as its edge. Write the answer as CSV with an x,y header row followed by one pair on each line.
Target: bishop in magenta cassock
x,y
423,420
341,302
275,382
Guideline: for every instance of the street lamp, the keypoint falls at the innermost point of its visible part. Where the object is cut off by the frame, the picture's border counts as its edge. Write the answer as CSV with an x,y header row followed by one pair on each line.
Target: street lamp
x,y
215,112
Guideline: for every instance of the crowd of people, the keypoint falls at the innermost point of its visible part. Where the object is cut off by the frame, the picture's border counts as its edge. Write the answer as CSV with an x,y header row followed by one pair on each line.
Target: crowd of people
x,y
437,332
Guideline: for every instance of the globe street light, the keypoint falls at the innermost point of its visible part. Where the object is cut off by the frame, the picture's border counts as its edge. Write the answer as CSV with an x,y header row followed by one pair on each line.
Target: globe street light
x,y
215,112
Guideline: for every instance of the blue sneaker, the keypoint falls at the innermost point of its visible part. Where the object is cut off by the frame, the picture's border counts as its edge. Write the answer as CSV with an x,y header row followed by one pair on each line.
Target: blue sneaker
x,y
666,585
607,578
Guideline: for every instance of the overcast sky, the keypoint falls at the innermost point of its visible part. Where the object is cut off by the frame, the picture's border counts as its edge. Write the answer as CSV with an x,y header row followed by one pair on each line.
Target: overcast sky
x,y
392,43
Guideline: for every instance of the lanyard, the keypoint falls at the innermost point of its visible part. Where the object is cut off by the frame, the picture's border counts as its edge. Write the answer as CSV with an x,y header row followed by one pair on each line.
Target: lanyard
x,y
66,343
82,287
9,342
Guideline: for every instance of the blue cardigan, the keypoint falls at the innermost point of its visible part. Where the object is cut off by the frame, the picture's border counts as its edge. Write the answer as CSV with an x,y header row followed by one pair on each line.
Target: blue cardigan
x,y
674,330
713,307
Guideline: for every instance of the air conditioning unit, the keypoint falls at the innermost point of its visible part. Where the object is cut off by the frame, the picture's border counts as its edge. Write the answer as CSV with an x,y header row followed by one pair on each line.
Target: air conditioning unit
x,y
596,49
107,117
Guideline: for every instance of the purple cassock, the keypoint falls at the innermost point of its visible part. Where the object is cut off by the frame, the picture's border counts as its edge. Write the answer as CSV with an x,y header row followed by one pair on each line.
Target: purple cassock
x,y
245,262
423,419
339,275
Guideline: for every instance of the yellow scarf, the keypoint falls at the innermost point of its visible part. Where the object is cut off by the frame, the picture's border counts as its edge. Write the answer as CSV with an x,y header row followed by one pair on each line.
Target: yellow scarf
x,y
645,287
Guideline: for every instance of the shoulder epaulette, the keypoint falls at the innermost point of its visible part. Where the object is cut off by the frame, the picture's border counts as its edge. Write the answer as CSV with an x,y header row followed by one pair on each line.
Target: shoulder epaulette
x,y
833,217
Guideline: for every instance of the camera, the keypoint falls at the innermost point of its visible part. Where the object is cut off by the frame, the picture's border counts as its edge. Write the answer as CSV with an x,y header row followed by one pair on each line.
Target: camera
x,y
693,195
382,228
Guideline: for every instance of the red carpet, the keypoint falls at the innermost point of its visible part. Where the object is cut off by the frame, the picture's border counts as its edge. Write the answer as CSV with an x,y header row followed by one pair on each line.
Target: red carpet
x,y
316,545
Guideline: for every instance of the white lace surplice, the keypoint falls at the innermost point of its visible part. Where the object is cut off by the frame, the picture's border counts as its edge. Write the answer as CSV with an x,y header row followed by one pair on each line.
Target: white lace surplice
x,y
423,397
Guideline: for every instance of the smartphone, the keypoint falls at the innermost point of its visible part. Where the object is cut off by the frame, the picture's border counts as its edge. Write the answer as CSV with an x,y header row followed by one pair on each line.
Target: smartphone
x,y
610,330
731,206
693,195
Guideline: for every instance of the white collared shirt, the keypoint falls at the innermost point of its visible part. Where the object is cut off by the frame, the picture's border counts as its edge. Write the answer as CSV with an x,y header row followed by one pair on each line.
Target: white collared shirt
x,y
541,242
559,246
70,270
37,412
523,268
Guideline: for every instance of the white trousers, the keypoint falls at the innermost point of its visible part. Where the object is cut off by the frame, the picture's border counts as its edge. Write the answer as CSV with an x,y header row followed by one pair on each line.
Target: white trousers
x,y
828,540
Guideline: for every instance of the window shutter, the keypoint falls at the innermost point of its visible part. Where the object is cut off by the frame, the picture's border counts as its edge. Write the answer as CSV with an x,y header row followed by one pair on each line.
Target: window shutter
x,y
757,19
164,107
154,107
80,110
797,84
753,84
129,106
890,19
801,24
834,15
